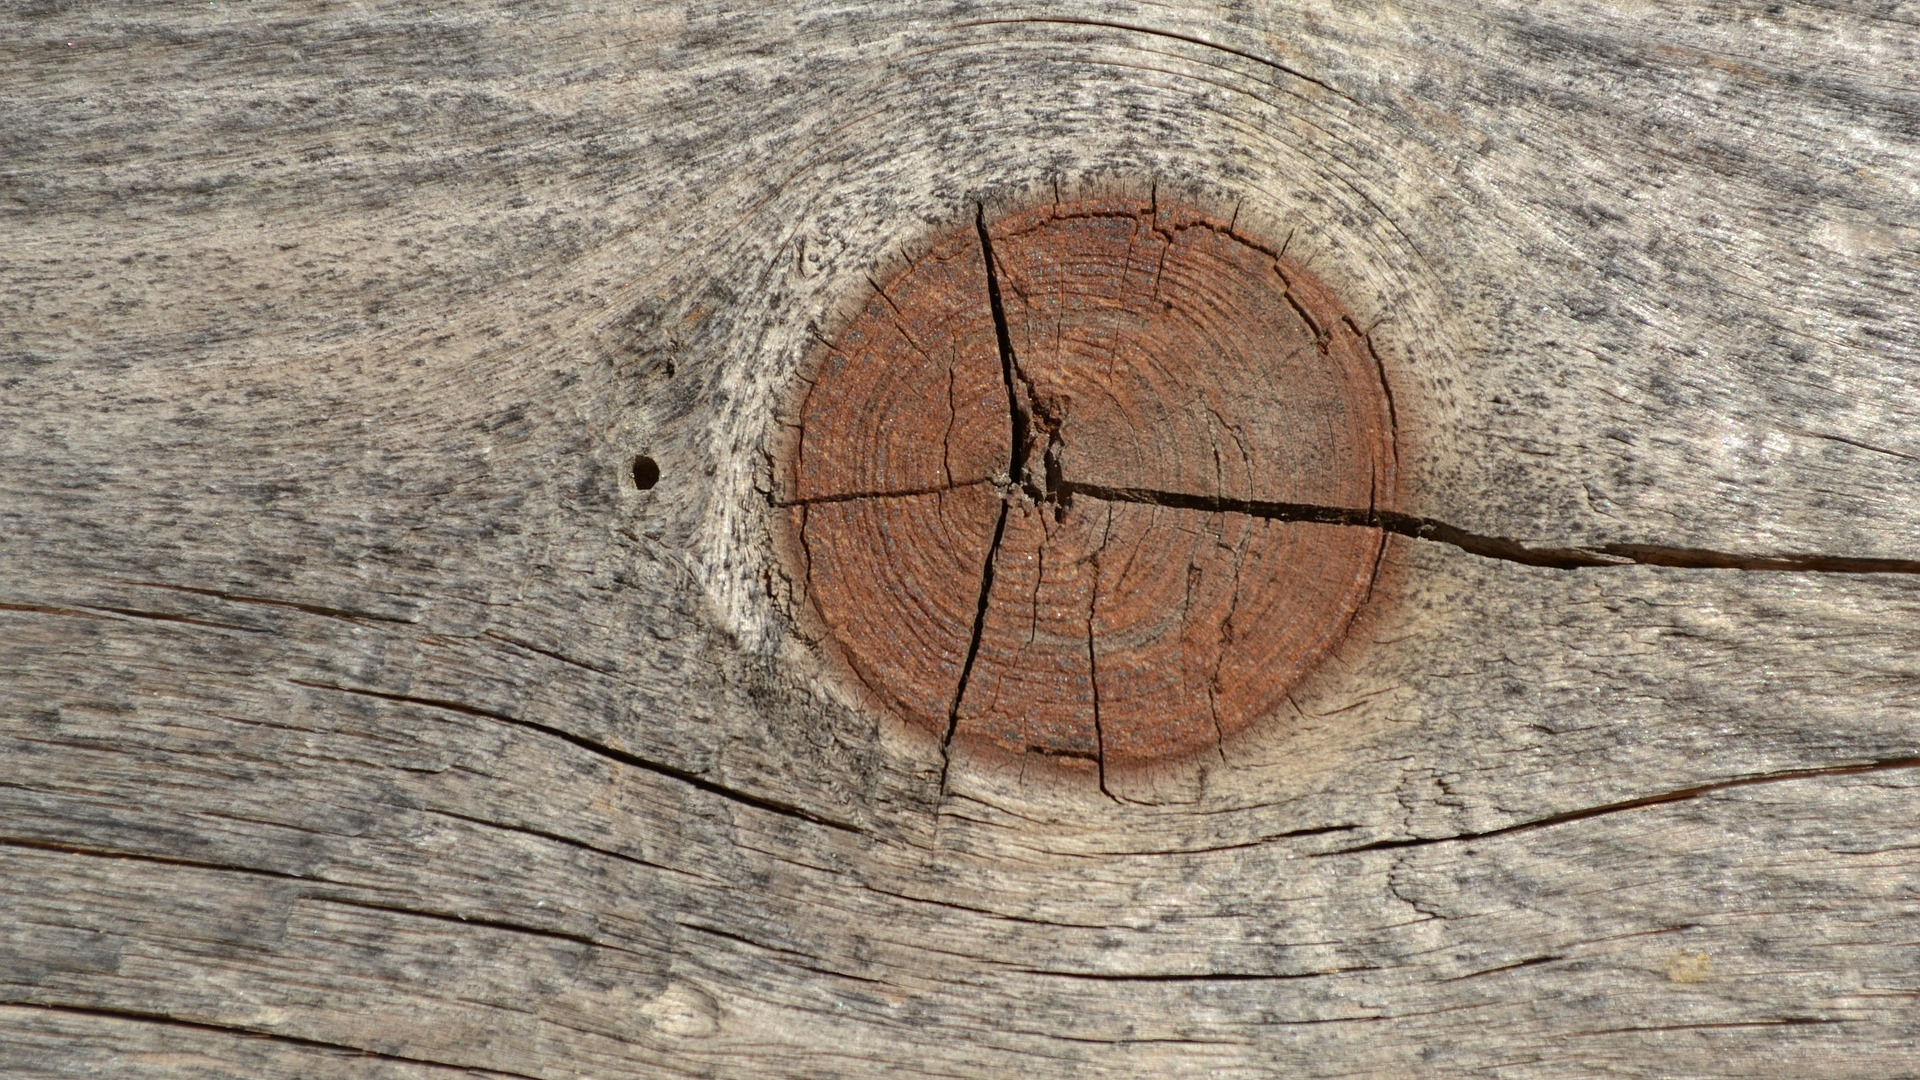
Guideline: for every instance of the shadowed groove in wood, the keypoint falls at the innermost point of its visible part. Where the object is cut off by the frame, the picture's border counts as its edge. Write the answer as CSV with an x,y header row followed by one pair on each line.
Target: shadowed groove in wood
x,y
95,852
691,779
239,1031
1104,24
1495,547
1681,795
1488,547
1019,413
973,642
1017,428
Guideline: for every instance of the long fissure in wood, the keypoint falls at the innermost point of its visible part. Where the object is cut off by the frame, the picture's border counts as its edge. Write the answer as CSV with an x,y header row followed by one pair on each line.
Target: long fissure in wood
x,y
1680,795
1093,681
1020,414
612,753
107,1012
1496,547
973,644
1019,424
1423,528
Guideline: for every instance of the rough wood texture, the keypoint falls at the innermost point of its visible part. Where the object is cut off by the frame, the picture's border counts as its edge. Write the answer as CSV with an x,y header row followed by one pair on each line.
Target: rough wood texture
x,y
361,718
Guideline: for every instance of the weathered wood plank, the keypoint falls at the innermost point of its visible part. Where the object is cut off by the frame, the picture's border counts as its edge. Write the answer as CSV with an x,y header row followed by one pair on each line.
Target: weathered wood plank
x,y
356,703
1032,914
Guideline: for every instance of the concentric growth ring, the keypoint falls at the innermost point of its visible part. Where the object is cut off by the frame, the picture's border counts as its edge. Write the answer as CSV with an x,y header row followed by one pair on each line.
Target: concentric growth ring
x,y
1090,483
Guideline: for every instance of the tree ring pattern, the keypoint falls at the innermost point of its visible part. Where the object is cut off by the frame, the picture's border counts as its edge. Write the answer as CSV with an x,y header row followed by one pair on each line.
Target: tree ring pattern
x,y
1094,482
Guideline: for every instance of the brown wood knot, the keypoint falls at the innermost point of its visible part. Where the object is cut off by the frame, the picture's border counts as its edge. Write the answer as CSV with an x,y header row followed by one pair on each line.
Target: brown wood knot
x,y
1093,483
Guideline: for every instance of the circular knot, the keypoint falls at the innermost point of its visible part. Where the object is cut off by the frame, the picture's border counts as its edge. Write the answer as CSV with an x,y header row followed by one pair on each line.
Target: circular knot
x,y
1095,482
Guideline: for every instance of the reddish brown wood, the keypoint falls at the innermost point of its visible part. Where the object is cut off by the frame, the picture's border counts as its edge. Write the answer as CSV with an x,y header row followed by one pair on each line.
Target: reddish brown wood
x,y
910,396
1000,536
898,582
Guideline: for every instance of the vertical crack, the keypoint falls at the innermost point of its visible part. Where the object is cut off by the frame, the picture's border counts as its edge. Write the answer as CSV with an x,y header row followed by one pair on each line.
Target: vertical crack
x,y
1160,267
946,441
1026,403
1321,337
805,584
1019,410
1093,679
1093,660
1020,417
1226,633
1393,415
973,645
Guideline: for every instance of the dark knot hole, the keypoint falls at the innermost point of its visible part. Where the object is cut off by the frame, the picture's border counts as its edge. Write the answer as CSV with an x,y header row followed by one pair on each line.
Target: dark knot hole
x,y
646,472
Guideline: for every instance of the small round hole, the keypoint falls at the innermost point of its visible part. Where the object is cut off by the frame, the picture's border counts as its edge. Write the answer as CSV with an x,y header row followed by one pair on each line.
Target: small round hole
x,y
646,472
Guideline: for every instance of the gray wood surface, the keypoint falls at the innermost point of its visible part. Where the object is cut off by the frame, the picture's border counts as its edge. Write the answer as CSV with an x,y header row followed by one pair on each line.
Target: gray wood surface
x,y
359,717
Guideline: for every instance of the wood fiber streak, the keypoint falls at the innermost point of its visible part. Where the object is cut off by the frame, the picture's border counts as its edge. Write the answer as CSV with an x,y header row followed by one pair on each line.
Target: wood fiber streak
x,y
1146,349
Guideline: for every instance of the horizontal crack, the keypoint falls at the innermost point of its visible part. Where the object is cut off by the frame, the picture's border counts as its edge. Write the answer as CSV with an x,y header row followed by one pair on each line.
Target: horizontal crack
x,y
1422,528
856,496
1682,795
1495,547
1785,1021
66,848
1515,966
1263,61
561,838
799,959
1700,558
238,1031
238,598
473,920
1188,977
693,780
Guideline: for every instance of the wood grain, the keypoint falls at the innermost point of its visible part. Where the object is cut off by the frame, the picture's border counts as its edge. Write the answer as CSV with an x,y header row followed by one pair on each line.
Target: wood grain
x,y
360,718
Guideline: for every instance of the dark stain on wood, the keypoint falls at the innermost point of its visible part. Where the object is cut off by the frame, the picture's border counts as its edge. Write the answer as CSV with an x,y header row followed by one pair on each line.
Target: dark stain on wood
x,y
1027,493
